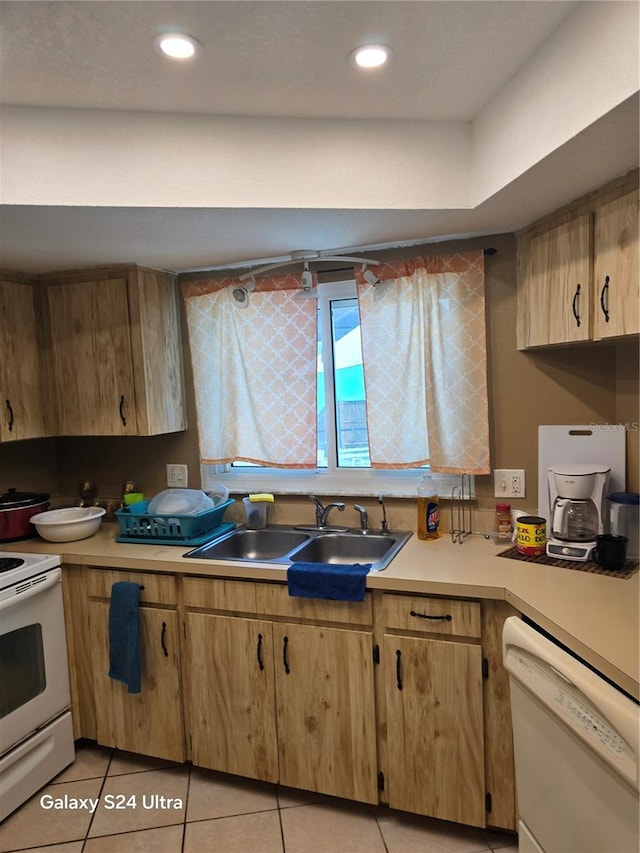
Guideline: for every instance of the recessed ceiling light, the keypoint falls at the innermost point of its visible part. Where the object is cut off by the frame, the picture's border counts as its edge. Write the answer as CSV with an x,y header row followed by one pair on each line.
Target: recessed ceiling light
x,y
176,45
370,55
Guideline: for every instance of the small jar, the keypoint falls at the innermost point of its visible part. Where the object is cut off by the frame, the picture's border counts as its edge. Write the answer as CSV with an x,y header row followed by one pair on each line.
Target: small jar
x,y
503,522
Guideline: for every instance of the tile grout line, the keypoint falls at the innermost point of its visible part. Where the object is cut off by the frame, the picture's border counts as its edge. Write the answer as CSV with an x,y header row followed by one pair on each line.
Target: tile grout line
x,y
104,781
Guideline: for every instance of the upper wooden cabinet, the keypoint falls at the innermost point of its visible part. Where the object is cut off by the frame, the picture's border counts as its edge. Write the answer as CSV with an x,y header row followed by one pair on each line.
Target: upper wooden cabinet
x,y
115,352
21,414
578,272
616,273
554,293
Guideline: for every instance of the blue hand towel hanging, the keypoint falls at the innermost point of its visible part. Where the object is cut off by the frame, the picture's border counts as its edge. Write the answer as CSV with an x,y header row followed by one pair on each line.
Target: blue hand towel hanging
x,y
124,635
332,581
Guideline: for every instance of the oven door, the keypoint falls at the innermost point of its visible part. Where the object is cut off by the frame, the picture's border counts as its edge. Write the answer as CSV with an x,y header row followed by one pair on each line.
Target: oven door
x,y
34,677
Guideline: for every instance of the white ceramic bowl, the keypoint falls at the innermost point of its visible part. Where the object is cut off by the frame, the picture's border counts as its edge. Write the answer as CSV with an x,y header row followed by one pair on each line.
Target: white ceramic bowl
x,y
68,525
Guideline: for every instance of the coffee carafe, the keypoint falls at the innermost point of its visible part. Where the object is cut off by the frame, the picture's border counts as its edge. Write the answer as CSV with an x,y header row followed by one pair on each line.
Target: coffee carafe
x,y
576,495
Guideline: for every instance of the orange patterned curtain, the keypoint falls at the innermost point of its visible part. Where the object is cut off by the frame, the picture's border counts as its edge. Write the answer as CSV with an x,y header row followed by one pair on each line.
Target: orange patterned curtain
x,y
424,353
254,371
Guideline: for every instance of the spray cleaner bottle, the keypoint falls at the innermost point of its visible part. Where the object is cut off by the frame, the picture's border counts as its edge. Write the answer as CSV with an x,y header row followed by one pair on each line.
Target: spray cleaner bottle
x,y
428,509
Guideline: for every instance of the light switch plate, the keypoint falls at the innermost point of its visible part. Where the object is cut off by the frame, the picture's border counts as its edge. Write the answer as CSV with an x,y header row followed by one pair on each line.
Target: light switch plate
x,y
509,482
177,476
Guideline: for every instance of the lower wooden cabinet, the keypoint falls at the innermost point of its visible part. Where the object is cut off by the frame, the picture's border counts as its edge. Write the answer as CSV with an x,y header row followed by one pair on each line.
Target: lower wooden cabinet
x,y
326,710
151,721
433,695
433,692
231,679
283,702
400,699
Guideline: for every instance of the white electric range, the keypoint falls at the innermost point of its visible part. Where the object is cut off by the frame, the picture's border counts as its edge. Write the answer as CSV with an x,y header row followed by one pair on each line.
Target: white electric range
x,y
36,734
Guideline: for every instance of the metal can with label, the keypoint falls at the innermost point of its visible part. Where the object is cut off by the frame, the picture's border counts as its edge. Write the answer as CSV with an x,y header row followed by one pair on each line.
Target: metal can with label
x,y
531,535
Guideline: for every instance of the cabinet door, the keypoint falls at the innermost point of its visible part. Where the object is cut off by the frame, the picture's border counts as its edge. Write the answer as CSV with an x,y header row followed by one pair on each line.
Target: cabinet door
x,y
616,272
232,704
554,293
22,411
92,359
433,692
150,722
325,709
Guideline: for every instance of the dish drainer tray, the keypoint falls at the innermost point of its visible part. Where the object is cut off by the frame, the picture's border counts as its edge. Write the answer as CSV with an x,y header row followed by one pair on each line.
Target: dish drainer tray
x,y
170,527
193,541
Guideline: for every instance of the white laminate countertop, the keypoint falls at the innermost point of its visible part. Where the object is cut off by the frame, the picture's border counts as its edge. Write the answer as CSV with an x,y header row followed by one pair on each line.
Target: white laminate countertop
x,y
594,615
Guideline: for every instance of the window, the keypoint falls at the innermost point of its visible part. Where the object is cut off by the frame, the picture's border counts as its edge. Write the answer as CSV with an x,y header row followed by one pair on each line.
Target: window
x,y
343,454
272,379
342,416
340,391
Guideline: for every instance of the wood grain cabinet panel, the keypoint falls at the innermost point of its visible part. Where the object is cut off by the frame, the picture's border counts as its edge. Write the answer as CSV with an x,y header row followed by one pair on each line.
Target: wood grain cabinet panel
x,y
432,615
616,271
326,711
435,728
554,291
150,722
21,413
578,270
116,354
232,709
279,701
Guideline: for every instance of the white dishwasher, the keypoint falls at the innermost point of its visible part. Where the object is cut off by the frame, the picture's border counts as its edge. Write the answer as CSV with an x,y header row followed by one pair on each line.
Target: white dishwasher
x,y
576,740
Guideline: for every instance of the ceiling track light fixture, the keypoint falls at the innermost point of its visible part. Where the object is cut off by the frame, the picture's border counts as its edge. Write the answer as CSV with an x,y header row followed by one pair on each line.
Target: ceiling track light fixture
x,y
304,256
370,55
177,45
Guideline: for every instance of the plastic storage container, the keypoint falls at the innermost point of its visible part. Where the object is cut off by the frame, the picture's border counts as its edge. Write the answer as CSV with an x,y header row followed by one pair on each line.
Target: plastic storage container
x,y
428,509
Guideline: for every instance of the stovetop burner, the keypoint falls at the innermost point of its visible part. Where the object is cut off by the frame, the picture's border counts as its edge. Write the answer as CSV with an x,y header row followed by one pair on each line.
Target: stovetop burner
x,y
9,563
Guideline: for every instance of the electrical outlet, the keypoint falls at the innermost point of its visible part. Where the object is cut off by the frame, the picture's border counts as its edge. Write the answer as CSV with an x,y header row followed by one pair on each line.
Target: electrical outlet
x,y
177,476
509,482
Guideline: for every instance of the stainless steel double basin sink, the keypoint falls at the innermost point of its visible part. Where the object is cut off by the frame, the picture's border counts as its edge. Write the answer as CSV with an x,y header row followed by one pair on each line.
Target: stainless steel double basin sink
x,y
285,545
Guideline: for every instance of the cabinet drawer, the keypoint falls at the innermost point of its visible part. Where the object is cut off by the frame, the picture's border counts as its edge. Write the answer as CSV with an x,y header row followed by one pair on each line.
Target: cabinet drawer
x,y
432,615
272,599
156,589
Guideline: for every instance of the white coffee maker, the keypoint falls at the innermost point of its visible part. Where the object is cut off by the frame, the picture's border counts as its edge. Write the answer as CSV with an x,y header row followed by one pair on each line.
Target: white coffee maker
x,y
576,498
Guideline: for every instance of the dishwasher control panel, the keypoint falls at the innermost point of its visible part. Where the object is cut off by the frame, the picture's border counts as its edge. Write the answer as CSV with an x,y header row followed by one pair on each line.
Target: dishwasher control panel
x,y
592,723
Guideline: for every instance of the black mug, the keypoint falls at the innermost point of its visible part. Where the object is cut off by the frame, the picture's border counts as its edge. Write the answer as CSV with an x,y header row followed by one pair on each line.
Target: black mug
x,y
610,551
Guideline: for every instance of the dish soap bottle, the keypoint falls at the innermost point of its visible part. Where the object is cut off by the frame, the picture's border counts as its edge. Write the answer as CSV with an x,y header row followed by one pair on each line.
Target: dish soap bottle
x,y
428,509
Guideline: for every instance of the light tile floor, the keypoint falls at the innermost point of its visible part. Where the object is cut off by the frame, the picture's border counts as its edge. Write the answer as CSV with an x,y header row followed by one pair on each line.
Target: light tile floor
x,y
215,813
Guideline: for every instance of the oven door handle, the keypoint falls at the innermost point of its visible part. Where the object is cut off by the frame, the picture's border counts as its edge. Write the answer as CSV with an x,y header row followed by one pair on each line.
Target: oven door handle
x,y
52,579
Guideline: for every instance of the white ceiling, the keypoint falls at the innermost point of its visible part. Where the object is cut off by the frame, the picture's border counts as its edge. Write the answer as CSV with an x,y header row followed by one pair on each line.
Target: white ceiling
x,y
283,60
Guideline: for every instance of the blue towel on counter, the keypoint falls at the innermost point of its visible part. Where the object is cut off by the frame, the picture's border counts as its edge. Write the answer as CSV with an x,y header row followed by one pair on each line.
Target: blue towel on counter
x,y
124,635
336,582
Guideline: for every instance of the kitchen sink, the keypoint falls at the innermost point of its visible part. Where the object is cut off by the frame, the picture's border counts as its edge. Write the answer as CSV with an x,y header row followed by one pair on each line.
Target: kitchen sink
x,y
242,544
346,548
285,545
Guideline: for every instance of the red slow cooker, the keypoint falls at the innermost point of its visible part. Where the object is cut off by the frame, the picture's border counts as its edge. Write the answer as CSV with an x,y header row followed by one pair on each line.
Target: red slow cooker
x,y
16,508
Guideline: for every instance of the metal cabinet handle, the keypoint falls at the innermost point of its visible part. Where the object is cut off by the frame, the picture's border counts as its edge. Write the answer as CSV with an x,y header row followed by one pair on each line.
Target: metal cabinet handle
x,y
399,669
445,618
285,657
604,294
163,639
259,653
574,306
121,410
10,411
